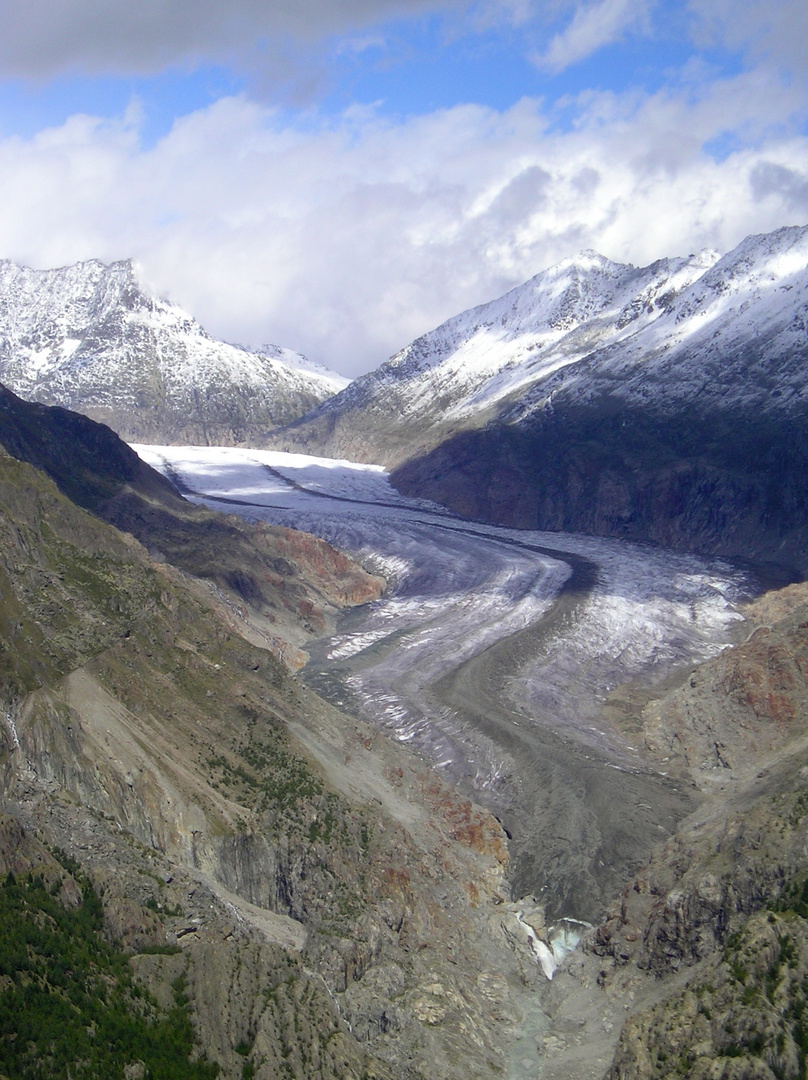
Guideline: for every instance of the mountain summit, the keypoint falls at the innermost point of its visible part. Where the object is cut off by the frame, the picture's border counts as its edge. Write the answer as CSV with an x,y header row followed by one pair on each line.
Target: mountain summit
x,y
481,362
91,338
668,403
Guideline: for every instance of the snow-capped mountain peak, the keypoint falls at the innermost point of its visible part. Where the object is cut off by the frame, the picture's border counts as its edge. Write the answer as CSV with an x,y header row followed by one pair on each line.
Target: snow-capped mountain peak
x,y
91,337
497,349
685,328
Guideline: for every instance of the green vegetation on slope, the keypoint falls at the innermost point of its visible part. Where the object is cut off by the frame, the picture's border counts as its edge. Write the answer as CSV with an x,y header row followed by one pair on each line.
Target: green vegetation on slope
x,y
745,1017
69,1007
69,585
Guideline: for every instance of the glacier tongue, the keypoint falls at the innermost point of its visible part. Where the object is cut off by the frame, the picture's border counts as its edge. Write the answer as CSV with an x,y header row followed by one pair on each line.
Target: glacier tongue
x,y
496,653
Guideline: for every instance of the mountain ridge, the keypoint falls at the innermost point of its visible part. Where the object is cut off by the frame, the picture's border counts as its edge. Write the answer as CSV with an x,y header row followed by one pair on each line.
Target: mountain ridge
x,y
667,403
91,338
492,352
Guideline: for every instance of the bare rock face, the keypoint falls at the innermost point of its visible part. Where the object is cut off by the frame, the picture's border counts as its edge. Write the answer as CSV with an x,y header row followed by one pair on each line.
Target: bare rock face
x,y
680,910
698,968
737,726
741,1017
21,855
257,1005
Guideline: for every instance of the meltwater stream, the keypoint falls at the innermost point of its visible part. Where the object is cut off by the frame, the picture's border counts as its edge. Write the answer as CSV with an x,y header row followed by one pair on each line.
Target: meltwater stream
x,y
500,654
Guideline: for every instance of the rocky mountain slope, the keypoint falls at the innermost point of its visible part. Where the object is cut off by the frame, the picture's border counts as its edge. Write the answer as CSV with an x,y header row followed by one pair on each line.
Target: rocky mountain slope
x,y
316,900
665,403
704,949
284,585
90,337
310,898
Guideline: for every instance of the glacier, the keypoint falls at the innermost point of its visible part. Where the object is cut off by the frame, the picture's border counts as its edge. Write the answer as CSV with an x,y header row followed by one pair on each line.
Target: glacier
x,y
495,652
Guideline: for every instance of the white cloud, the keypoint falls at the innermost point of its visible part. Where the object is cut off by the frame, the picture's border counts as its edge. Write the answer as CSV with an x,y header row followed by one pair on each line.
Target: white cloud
x,y
348,239
593,26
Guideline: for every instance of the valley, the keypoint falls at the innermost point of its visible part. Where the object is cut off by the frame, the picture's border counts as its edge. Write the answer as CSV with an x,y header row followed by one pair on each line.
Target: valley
x,y
508,785
516,662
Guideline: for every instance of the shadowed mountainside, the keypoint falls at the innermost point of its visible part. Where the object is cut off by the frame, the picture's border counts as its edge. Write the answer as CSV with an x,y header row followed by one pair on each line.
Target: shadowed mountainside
x,y
287,584
733,483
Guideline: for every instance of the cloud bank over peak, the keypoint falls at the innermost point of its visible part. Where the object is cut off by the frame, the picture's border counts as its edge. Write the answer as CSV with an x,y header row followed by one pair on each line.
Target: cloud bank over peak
x,y
347,239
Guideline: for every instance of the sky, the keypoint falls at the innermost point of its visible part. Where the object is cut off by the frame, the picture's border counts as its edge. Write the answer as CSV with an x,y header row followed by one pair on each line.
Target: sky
x,y
340,176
